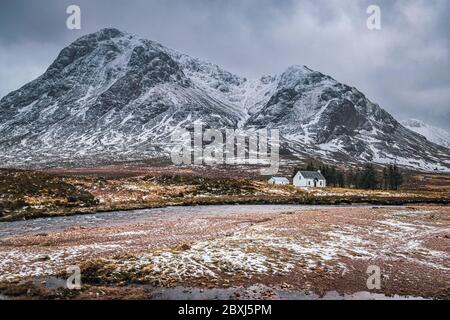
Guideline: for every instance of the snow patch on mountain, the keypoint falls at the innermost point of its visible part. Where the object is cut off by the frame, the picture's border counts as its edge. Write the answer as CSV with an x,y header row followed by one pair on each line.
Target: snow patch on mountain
x,y
111,96
433,134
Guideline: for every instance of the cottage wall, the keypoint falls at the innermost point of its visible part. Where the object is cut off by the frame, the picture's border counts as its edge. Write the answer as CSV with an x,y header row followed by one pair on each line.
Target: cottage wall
x,y
300,181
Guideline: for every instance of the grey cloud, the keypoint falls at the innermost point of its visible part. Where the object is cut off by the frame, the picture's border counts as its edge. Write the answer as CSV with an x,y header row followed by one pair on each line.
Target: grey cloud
x,y
404,67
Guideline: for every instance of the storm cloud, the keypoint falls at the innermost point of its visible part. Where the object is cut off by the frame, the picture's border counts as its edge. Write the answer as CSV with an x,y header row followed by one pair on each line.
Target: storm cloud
x,y
404,66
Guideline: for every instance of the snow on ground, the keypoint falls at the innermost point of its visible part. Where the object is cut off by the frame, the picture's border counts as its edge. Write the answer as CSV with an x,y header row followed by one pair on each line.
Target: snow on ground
x,y
284,243
27,262
260,250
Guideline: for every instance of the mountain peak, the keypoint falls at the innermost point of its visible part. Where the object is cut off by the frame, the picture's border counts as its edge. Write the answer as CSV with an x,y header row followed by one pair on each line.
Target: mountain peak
x,y
111,94
413,123
299,69
301,74
101,35
107,33
433,134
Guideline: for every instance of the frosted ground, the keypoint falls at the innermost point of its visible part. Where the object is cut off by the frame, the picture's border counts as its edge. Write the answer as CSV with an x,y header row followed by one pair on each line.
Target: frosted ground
x,y
296,248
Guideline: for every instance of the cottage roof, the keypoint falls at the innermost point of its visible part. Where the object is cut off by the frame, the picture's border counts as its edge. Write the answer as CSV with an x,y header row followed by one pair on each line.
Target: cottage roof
x,y
280,179
312,175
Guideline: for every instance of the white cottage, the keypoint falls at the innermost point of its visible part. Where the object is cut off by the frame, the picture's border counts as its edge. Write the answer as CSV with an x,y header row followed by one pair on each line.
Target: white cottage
x,y
309,179
279,180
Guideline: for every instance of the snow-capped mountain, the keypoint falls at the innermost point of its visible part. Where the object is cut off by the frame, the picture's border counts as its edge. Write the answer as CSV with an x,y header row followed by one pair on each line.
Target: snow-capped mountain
x,y
433,134
111,96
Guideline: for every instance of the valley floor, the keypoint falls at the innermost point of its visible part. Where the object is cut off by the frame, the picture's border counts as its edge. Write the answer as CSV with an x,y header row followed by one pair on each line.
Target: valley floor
x,y
34,194
231,252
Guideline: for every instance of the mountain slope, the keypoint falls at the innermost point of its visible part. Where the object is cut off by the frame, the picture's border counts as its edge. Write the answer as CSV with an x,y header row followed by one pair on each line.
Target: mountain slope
x,y
433,134
111,96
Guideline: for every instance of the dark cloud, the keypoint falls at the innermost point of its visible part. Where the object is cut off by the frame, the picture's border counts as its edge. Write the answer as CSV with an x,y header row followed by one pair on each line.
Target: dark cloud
x,y
403,67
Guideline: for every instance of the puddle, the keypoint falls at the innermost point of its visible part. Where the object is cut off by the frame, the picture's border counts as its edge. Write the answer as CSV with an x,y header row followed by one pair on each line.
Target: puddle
x,y
51,283
333,295
262,292
255,292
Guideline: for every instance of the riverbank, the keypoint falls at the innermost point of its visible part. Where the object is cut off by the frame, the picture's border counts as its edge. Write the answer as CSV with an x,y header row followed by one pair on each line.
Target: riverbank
x,y
294,250
30,195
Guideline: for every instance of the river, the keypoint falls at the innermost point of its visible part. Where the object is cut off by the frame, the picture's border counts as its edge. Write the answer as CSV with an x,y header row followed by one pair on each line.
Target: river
x,y
116,218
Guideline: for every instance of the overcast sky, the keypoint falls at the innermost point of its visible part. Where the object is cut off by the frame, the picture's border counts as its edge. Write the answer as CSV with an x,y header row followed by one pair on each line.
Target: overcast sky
x,y
404,66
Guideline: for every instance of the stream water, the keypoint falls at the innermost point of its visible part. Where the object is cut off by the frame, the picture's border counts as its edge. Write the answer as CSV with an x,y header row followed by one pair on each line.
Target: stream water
x,y
44,225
